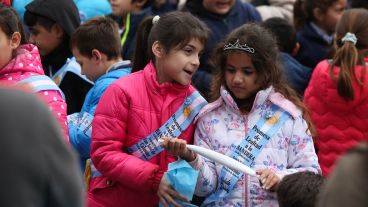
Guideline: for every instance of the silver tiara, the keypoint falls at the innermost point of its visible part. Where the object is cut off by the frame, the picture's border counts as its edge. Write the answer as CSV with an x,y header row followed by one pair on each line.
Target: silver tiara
x,y
238,46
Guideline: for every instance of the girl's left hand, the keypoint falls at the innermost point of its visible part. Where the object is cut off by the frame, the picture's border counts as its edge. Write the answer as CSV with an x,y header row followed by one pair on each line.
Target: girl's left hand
x,y
268,179
178,147
167,194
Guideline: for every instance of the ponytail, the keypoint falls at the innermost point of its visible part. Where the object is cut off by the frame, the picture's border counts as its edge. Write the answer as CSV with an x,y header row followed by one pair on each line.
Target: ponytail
x,y
347,57
142,53
300,14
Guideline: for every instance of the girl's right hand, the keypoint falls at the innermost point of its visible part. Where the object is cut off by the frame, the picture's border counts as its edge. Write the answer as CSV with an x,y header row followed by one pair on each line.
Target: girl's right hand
x,y
178,147
168,195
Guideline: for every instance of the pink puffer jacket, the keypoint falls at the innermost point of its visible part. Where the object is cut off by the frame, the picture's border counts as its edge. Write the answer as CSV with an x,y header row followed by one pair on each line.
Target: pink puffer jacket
x,y
27,63
131,108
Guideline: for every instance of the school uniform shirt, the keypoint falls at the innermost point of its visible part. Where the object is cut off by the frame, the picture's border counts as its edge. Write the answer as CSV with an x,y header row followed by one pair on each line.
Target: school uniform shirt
x,y
221,126
130,109
25,64
340,124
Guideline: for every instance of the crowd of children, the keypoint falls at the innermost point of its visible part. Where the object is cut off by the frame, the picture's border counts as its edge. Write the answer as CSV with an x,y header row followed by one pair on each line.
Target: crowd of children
x,y
130,83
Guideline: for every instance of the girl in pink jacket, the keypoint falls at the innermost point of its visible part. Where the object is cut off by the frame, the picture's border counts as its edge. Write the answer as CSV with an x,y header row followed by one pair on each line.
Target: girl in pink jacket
x,y
128,163
20,64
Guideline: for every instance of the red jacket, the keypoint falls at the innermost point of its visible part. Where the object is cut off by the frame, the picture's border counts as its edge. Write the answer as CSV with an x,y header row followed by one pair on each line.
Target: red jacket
x,y
340,124
131,108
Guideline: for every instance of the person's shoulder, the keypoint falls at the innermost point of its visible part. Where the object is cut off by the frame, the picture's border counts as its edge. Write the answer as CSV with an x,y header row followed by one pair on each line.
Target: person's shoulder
x,y
288,106
209,109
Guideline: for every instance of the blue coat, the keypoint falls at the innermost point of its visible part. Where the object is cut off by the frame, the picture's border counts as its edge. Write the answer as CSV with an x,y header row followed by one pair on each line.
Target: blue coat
x,y
220,26
79,138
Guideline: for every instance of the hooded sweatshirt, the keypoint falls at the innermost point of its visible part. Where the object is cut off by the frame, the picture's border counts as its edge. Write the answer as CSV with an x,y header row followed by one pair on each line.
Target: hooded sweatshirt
x,y
64,13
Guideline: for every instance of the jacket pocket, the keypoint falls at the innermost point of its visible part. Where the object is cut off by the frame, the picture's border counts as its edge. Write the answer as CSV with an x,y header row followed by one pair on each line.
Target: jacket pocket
x,y
99,183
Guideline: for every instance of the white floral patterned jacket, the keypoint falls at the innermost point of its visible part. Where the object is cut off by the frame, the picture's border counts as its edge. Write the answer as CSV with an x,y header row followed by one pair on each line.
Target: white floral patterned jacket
x,y
221,126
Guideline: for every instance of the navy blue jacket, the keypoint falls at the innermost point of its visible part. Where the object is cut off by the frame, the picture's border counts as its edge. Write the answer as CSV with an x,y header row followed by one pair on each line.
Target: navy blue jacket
x,y
313,48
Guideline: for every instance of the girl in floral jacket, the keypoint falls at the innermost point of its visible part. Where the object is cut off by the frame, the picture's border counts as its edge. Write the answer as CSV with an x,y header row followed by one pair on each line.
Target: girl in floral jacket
x,y
254,118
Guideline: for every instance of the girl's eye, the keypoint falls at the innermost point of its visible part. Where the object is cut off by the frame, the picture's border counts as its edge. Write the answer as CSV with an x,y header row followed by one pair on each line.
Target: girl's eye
x,y
248,72
188,50
230,70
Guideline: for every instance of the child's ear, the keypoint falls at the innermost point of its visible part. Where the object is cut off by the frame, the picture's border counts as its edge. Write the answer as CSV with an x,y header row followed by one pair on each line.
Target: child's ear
x,y
318,14
295,50
96,55
157,49
57,30
15,40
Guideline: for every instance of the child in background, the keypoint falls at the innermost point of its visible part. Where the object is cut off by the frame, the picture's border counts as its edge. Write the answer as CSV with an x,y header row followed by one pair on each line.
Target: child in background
x,y
20,63
95,45
337,95
51,23
221,17
315,21
128,162
297,75
300,189
254,118
128,14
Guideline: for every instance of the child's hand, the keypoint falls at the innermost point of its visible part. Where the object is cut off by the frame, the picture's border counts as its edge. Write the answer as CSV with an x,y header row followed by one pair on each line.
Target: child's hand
x,y
178,147
167,194
268,179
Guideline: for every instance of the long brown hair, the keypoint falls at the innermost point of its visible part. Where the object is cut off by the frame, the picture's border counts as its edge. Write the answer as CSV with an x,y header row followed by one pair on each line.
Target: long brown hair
x,y
264,59
348,54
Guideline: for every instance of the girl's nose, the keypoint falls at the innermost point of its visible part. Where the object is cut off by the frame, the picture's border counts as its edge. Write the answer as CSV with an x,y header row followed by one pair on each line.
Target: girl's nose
x,y
195,60
238,77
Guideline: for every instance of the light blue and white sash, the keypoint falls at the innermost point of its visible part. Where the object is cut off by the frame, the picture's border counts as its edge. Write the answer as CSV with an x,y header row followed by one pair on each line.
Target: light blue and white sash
x,y
72,66
178,122
248,150
82,121
41,83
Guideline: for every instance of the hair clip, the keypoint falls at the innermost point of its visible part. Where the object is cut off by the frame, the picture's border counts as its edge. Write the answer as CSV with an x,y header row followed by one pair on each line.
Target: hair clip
x,y
238,46
350,37
155,19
